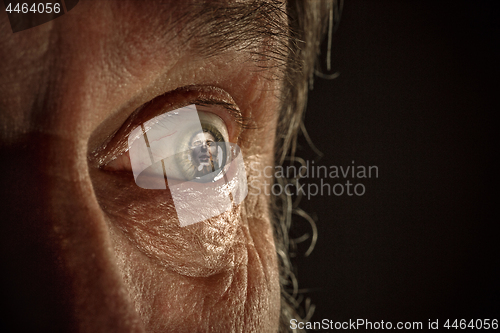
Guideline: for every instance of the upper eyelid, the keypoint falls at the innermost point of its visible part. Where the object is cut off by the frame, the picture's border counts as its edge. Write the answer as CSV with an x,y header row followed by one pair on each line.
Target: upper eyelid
x,y
233,111
117,144
161,121
156,119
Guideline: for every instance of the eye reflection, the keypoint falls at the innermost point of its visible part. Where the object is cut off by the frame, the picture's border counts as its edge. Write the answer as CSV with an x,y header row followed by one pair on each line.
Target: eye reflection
x,y
206,154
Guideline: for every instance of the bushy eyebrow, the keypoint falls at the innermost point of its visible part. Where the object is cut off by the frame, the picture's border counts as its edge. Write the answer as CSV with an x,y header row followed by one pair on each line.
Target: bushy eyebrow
x,y
258,28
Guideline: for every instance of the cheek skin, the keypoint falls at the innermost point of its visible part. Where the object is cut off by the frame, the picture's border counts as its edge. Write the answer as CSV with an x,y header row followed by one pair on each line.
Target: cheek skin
x,y
243,297
219,275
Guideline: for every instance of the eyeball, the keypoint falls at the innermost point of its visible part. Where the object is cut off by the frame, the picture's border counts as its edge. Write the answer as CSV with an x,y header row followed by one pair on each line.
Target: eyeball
x,y
184,144
188,151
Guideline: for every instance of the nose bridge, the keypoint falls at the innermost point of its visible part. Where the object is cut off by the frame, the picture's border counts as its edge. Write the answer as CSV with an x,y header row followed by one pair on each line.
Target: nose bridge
x,y
58,254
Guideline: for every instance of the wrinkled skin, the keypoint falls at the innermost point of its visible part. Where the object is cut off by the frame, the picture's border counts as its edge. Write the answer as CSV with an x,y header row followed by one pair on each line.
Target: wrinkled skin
x,y
83,248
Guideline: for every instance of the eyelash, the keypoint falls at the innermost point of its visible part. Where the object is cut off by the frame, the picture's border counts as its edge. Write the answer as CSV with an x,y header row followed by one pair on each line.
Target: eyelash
x,y
218,102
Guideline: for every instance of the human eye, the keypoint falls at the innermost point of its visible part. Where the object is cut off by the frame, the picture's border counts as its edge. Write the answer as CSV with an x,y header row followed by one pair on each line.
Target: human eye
x,y
190,151
169,147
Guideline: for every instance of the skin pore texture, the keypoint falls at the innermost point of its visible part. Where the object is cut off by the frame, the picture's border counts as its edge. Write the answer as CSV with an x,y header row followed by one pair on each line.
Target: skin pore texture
x,y
90,250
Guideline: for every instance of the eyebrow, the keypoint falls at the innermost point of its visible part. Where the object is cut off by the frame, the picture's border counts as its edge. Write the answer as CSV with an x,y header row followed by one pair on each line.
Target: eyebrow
x,y
259,28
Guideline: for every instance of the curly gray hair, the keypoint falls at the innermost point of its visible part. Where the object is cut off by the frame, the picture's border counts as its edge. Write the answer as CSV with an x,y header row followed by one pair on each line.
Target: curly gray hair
x,y
309,20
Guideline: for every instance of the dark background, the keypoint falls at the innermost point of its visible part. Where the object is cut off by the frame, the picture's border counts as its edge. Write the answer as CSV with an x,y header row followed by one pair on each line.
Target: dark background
x,y
417,96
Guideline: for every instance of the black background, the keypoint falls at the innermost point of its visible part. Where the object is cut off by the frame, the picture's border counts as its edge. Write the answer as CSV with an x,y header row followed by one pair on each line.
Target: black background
x,y
417,96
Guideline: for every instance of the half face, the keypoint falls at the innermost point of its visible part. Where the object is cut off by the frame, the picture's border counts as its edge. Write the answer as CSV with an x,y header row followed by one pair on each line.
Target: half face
x,y
86,248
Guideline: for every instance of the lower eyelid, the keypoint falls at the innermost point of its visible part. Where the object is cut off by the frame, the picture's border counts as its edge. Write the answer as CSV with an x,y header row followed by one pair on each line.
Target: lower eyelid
x,y
193,201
